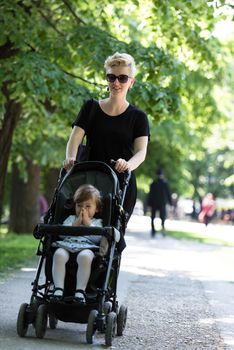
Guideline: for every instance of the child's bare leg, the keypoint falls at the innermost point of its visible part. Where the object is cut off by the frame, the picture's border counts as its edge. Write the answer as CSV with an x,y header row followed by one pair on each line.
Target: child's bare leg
x,y
60,259
84,260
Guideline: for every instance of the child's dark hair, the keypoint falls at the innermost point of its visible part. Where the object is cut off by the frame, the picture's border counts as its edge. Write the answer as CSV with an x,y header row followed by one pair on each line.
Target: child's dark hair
x,y
85,192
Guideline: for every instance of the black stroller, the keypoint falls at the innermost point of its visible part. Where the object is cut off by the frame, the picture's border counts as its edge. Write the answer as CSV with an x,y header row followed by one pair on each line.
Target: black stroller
x,y
101,311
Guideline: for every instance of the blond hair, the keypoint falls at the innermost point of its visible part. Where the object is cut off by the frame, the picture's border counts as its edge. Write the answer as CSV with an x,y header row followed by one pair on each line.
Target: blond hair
x,y
121,59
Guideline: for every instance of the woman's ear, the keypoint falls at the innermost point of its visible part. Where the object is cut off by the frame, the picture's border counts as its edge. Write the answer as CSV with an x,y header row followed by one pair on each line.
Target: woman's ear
x,y
132,83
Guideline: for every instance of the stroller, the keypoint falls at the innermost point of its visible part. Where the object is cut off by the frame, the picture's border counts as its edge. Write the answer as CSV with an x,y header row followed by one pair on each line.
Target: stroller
x,y
101,311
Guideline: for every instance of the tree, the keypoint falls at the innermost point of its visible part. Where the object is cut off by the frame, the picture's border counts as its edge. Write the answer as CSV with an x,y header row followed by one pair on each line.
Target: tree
x,y
23,216
12,114
52,57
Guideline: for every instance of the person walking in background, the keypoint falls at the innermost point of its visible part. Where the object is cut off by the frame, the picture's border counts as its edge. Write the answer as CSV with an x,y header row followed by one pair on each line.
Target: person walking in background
x,y
174,204
43,206
208,209
158,197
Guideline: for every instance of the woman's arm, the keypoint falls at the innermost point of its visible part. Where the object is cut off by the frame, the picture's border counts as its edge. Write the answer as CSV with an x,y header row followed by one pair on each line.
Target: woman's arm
x,y
139,154
74,141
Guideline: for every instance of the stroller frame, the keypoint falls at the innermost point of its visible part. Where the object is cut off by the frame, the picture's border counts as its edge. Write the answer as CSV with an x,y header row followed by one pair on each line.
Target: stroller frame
x,y
101,312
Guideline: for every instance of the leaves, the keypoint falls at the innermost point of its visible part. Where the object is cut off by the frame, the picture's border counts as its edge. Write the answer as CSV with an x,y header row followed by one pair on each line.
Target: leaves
x,y
52,60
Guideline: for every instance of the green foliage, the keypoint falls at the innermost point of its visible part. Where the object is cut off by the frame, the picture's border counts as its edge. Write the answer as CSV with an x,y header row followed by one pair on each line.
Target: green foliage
x,y
54,61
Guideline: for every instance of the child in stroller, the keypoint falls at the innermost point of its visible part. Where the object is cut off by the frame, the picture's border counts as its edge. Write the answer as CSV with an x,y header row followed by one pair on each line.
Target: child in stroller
x,y
87,201
101,311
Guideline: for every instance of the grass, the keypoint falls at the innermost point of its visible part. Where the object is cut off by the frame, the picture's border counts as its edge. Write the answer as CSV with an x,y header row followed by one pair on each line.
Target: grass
x,y
199,238
15,249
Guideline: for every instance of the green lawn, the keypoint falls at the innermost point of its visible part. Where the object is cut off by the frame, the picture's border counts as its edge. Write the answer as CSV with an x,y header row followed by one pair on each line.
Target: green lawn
x,y
199,238
15,250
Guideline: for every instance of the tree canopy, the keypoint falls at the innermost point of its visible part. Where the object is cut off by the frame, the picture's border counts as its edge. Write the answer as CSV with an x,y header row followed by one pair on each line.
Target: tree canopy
x,y
51,59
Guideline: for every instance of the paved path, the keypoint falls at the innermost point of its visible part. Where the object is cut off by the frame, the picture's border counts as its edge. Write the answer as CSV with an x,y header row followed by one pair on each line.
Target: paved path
x,y
211,266
179,295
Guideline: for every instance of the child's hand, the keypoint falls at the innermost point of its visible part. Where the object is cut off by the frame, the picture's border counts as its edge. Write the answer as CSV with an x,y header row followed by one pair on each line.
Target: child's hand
x,y
86,218
79,220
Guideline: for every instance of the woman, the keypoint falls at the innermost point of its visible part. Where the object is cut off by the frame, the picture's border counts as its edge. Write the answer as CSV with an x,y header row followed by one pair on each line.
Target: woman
x,y
208,209
118,131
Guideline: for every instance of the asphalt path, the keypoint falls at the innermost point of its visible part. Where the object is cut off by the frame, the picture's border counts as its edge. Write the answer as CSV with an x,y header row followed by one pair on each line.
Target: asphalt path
x,y
206,271
211,266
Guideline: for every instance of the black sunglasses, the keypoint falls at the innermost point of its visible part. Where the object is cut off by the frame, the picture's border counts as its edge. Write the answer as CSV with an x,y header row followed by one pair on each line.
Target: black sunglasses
x,y
122,78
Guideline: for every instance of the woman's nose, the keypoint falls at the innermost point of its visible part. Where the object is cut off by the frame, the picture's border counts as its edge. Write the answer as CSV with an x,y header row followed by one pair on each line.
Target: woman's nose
x,y
116,82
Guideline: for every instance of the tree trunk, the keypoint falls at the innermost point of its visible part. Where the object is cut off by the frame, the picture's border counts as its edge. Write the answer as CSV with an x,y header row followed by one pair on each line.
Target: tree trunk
x,y
24,206
11,117
51,180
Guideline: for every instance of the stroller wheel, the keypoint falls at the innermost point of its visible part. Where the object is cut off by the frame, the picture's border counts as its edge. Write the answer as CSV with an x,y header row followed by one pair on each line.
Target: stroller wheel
x,y
121,319
41,321
110,328
53,321
107,307
91,326
22,324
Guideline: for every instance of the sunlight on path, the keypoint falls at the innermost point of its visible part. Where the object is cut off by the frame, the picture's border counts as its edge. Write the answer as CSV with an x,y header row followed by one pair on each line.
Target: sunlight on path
x,y
203,261
224,232
211,265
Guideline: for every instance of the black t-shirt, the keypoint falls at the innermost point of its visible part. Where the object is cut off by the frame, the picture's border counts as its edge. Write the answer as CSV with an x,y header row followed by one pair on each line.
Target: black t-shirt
x,y
111,137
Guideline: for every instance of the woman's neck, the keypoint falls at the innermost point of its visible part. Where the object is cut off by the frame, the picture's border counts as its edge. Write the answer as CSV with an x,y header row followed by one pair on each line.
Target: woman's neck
x,y
114,105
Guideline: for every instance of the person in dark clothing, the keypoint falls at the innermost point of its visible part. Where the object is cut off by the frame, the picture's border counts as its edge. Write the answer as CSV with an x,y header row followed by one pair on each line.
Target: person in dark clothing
x,y
159,196
118,131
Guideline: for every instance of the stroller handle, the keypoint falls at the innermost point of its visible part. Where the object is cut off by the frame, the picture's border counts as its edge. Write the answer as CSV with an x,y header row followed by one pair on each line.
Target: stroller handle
x,y
127,176
126,172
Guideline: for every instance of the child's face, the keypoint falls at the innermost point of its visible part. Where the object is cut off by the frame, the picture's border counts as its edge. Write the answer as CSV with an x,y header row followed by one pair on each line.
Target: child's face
x,y
89,206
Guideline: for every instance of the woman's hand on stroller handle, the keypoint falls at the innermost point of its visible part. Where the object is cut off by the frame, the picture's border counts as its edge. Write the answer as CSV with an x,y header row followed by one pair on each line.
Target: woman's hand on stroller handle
x,y
68,163
121,165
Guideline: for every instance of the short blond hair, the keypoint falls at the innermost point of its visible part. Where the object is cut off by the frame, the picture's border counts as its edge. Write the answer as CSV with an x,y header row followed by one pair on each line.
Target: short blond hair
x,y
121,59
